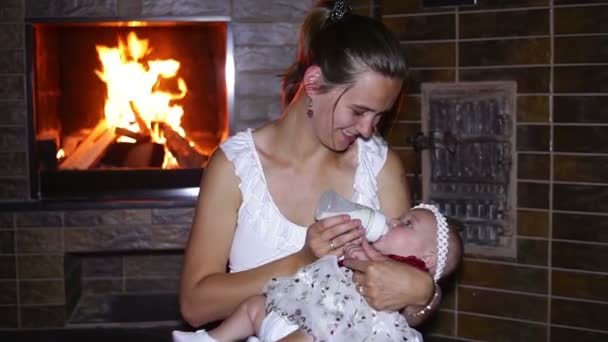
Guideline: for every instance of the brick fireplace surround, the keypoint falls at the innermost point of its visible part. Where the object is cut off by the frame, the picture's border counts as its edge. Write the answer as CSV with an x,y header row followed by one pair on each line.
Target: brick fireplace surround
x,y
54,254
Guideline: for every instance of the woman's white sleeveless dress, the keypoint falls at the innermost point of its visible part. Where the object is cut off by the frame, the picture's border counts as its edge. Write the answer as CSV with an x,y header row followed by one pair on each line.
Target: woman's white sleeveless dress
x,y
263,234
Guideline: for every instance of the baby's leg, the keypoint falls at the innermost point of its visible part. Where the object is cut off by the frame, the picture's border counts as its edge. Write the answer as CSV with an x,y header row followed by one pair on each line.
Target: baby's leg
x,y
244,322
296,336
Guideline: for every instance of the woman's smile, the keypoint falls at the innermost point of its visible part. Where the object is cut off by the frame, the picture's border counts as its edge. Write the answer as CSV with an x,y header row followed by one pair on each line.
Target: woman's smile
x,y
348,136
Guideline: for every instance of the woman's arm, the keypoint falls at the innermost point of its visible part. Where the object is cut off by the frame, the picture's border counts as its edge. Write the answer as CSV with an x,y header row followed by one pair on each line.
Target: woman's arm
x,y
393,188
391,285
388,283
207,292
415,314
407,285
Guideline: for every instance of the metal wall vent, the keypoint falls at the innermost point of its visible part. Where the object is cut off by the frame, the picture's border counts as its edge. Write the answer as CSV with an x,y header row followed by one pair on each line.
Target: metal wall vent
x,y
469,167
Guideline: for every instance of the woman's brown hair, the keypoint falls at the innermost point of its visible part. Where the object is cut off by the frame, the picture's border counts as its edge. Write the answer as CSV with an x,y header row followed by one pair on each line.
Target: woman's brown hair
x,y
343,49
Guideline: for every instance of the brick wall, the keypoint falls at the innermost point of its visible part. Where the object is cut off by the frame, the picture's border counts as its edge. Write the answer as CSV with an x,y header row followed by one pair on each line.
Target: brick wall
x,y
116,251
556,51
14,176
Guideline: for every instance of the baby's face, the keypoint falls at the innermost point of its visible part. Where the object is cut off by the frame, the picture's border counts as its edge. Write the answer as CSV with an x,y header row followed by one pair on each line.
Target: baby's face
x,y
414,233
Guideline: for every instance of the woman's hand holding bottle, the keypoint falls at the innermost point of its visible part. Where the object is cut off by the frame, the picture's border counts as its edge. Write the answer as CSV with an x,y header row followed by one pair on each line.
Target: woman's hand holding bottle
x,y
329,236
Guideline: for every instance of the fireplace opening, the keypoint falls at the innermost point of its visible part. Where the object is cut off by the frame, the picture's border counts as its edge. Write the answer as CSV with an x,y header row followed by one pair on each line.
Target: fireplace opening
x,y
127,109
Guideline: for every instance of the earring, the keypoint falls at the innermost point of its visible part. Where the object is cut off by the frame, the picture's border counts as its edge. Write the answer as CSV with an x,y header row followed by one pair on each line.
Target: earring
x,y
310,112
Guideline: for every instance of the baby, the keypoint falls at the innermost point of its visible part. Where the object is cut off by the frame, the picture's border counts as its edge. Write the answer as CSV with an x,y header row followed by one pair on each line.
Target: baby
x,y
322,303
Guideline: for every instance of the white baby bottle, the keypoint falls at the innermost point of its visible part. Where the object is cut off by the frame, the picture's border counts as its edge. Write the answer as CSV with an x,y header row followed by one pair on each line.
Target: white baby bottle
x,y
332,204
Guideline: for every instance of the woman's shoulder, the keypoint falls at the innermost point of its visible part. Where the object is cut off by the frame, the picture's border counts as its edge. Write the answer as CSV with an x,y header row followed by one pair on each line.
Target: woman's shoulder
x,y
236,143
239,155
219,177
393,188
218,162
393,163
225,157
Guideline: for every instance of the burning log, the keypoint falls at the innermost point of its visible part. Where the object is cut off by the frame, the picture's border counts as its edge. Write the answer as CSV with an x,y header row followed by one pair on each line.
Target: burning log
x,y
133,155
143,127
140,138
90,150
186,155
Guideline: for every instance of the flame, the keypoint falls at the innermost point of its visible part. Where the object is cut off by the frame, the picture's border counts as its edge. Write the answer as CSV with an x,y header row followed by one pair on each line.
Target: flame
x,y
60,154
133,91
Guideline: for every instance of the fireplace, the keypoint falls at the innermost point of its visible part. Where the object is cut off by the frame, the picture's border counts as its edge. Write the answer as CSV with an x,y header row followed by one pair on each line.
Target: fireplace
x,y
127,109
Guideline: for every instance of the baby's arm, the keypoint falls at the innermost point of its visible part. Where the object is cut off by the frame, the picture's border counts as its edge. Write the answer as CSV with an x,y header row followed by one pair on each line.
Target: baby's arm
x,y
363,251
243,322
296,336
355,251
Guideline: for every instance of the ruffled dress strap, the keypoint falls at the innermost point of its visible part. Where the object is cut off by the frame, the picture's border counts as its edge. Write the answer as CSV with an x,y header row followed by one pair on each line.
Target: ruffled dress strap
x,y
258,216
238,149
372,157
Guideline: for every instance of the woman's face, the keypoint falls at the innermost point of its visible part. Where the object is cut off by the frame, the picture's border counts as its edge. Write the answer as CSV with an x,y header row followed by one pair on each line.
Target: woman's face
x,y
358,109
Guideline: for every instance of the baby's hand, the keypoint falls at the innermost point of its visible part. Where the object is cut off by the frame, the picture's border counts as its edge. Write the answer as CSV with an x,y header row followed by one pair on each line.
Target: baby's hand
x,y
371,252
355,251
394,222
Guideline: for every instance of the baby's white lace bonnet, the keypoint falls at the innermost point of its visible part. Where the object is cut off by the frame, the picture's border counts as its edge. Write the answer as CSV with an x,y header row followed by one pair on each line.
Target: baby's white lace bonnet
x,y
442,237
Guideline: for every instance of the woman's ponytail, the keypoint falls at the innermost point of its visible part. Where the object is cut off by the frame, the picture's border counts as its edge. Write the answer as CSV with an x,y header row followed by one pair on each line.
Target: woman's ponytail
x,y
293,76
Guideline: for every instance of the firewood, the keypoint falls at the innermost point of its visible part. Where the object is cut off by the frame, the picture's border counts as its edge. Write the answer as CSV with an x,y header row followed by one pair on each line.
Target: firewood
x,y
49,134
71,141
186,155
133,135
133,155
143,127
91,149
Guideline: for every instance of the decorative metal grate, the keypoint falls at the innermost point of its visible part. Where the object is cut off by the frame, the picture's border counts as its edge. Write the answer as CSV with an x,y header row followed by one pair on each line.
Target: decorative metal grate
x,y
469,168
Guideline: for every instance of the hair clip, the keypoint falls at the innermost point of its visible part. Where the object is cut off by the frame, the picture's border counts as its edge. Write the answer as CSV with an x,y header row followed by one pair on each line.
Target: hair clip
x,y
340,9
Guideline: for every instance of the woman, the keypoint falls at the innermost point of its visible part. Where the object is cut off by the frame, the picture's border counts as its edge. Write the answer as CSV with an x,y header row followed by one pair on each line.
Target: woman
x,y
258,193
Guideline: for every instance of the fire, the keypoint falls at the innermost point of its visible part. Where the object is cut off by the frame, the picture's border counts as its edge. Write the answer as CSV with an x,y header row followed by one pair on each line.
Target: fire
x,y
134,100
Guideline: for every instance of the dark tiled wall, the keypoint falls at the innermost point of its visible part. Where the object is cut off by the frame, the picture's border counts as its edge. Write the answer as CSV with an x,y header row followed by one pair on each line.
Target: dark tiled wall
x,y
14,179
557,51
115,251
